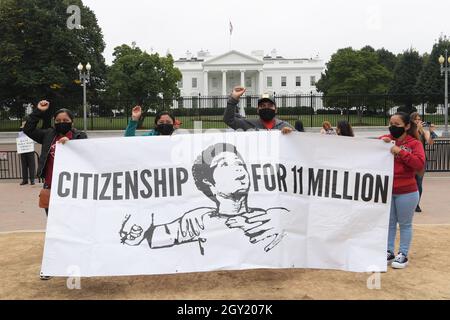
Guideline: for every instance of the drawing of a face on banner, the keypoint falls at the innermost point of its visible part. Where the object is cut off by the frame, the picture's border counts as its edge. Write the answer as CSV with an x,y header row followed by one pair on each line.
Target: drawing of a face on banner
x,y
221,174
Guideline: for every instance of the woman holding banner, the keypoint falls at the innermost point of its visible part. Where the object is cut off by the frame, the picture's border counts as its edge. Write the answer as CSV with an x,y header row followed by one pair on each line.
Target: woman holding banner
x,y
164,124
409,157
61,133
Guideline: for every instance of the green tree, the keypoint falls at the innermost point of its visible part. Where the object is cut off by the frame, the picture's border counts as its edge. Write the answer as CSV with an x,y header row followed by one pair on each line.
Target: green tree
x,y
354,72
387,59
430,83
39,53
141,78
406,73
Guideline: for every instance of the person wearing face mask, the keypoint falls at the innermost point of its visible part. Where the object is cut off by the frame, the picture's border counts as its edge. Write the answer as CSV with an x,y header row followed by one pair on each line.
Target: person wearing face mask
x,y
62,132
164,124
409,157
267,110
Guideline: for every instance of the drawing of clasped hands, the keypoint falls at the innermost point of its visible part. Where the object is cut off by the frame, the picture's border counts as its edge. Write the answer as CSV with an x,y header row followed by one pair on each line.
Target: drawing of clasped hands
x,y
132,233
260,225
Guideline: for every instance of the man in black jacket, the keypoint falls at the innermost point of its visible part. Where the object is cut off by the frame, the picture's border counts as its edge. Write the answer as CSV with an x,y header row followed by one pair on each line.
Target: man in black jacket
x,y
267,110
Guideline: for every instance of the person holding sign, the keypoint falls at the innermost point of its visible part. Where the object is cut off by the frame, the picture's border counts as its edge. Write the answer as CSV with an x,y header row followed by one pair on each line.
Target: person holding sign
x,y
409,157
164,124
25,147
267,110
61,133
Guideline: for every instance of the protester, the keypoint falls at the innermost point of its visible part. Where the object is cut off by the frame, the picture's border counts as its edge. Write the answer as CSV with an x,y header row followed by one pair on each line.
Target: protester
x,y
425,138
299,126
267,110
27,161
344,128
164,124
327,128
409,157
61,133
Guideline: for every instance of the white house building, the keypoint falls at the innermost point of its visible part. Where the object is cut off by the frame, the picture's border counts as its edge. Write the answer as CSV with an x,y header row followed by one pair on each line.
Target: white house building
x,y
208,75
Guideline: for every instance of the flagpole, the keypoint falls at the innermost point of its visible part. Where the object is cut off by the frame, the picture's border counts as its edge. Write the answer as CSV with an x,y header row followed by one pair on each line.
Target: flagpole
x,y
231,32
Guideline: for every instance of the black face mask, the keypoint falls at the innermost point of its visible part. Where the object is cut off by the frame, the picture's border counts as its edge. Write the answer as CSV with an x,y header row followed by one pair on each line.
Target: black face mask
x,y
266,114
396,132
63,127
165,129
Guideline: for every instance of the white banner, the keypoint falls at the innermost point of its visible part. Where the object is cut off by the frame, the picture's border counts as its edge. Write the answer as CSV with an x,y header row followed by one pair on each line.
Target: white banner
x,y
24,144
218,201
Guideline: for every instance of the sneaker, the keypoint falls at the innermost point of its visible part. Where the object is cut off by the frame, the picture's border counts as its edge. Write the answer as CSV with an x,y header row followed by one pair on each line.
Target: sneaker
x,y
23,183
418,209
390,257
400,261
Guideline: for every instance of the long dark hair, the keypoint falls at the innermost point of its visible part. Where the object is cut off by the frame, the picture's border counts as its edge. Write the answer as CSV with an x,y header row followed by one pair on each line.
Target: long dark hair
x,y
407,119
345,129
163,113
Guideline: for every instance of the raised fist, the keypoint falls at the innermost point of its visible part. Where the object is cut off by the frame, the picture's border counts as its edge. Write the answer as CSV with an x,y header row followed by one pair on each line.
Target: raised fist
x,y
238,91
136,113
43,105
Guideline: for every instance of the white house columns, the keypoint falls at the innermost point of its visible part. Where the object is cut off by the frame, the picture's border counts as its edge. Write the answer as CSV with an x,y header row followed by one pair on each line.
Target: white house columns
x,y
224,82
260,82
205,83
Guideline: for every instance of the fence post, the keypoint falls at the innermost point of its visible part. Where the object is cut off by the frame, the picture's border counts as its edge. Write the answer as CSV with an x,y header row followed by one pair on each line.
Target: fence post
x,y
385,110
92,118
312,108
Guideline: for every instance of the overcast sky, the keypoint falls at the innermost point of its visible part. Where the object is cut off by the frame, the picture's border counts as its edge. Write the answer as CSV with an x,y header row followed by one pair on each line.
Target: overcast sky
x,y
297,29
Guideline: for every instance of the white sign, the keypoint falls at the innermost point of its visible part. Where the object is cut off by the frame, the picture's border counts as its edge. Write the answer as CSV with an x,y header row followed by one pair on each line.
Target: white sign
x,y
24,144
218,201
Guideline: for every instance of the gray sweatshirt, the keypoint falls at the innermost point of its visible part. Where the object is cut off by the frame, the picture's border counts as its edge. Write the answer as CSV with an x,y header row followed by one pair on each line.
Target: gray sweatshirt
x,y
235,121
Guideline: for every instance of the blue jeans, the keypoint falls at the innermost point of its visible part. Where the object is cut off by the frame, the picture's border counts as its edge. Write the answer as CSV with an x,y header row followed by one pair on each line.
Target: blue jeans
x,y
402,212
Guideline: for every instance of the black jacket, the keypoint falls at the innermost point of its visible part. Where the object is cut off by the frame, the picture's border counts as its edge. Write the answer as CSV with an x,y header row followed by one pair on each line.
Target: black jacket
x,y
235,121
44,137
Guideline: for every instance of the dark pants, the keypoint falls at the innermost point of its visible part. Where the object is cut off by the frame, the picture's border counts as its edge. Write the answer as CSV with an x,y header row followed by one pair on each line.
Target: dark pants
x,y
28,166
419,180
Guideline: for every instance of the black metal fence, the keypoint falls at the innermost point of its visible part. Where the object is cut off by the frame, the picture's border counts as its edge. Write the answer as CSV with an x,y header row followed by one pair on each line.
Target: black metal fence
x,y
11,166
311,109
438,156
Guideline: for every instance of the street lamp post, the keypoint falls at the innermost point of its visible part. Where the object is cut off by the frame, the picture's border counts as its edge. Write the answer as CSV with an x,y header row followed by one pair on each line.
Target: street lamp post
x,y
445,68
84,78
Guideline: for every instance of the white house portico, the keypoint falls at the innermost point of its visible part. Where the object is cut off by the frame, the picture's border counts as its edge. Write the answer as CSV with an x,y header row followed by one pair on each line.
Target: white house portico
x,y
216,75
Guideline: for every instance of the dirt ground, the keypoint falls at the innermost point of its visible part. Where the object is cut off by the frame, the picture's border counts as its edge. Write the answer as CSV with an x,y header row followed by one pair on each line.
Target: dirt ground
x,y
427,277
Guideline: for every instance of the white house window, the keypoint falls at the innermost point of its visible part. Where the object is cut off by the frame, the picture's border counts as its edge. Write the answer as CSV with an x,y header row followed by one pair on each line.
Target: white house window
x,y
283,81
298,81
194,82
313,81
215,82
269,81
180,83
248,82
